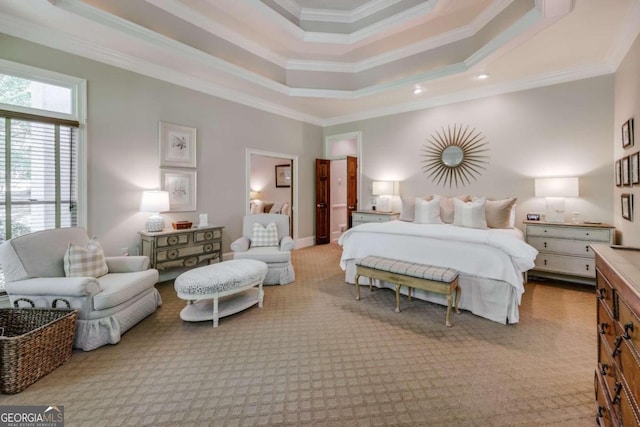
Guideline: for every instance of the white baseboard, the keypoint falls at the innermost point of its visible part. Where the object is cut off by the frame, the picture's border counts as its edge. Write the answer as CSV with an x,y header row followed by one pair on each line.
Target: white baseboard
x,y
305,242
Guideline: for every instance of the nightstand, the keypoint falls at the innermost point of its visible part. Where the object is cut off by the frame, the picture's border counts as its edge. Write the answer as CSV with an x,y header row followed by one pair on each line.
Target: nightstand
x,y
360,217
565,249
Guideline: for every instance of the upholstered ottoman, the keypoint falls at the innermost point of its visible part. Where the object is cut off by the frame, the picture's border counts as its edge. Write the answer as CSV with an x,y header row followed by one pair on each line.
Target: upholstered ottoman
x,y
222,289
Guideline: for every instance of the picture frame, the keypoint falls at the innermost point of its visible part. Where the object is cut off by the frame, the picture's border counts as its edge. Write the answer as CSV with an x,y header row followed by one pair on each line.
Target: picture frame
x,y
626,179
283,175
627,134
634,164
181,185
177,145
618,173
626,200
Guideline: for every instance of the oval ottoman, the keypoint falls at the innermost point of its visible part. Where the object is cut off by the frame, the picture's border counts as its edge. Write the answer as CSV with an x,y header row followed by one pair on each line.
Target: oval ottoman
x,y
221,289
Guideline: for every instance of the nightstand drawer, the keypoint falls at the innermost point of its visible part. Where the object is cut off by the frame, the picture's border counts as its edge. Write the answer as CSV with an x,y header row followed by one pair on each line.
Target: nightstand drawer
x,y
579,233
567,247
577,266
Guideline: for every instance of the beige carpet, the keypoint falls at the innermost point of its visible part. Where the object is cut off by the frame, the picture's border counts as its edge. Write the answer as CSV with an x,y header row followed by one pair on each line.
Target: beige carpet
x,y
315,356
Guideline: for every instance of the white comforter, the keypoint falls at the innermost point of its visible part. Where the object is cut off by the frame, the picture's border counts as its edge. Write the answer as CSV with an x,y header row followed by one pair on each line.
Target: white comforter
x,y
492,253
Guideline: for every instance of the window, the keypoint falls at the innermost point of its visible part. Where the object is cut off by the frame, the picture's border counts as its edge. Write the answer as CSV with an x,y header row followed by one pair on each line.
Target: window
x,y
41,151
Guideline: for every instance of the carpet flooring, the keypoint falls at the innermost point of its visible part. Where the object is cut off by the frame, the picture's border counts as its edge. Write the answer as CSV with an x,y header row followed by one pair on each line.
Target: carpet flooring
x,y
313,355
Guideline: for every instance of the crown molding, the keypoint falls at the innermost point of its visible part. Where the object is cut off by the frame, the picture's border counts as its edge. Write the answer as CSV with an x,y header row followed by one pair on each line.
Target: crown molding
x,y
187,14
549,79
78,46
626,38
347,16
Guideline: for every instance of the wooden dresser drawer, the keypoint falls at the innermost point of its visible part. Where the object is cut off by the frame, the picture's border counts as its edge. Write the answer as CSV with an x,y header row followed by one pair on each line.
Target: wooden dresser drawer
x,y
604,410
173,239
626,409
604,292
607,328
606,366
577,233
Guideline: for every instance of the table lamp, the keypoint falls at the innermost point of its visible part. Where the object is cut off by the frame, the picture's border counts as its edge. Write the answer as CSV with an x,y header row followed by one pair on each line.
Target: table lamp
x,y
555,190
154,201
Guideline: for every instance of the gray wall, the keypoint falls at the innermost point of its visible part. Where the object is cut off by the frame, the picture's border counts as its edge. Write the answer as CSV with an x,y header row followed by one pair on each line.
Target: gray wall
x,y
124,109
560,130
627,105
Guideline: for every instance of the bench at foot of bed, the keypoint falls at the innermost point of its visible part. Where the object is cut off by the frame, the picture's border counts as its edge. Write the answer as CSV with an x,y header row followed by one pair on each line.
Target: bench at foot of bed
x,y
412,275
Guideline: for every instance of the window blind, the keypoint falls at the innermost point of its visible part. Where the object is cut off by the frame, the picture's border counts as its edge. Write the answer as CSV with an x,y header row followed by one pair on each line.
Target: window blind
x,y
38,174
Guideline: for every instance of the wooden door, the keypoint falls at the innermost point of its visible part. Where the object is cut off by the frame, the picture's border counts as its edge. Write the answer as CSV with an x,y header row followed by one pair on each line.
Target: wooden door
x,y
323,194
352,187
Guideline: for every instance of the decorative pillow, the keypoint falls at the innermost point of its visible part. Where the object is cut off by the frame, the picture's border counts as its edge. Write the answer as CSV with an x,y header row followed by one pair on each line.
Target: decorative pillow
x,y
447,208
267,206
264,236
285,209
85,262
428,212
257,207
276,208
409,207
498,212
470,214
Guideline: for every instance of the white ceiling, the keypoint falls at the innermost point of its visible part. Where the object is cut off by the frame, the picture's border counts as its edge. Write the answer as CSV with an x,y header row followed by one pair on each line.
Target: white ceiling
x,y
333,61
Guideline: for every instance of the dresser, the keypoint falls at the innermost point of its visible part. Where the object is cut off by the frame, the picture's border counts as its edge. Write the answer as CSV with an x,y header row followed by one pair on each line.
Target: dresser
x,y
173,249
565,249
360,217
617,376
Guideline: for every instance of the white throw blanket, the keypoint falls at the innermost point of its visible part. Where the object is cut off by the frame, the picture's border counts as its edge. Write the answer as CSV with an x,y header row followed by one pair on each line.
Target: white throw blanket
x,y
491,253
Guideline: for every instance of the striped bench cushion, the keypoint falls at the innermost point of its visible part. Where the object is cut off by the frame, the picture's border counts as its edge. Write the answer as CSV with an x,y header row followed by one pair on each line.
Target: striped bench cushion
x,y
412,269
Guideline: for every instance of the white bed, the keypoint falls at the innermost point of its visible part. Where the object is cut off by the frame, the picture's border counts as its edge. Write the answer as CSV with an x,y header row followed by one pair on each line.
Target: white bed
x,y
491,262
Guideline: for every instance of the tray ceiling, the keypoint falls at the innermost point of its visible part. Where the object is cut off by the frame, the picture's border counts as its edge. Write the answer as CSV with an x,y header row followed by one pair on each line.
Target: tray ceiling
x,y
334,61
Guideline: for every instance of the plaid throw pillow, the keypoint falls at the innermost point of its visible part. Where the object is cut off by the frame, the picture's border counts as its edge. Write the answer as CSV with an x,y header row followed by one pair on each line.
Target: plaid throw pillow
x,y
85,262
264,236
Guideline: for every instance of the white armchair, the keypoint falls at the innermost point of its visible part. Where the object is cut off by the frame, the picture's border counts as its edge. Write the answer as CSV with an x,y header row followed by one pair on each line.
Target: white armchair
x,y
277,256
107,306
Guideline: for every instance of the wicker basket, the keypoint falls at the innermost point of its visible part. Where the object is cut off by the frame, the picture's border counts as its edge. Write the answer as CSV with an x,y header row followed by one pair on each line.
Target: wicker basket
x,y
34,342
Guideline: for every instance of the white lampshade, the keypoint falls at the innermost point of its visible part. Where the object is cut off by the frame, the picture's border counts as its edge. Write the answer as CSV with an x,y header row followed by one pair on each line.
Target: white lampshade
x,y
154,201
554,190
254,195
557,187
384,188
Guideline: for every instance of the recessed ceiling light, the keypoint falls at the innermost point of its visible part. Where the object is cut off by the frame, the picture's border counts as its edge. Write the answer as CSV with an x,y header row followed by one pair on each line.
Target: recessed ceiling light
x,y
482,76
417,90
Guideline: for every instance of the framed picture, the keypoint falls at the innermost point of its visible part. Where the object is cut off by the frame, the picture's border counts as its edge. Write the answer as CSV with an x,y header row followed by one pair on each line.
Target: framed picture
x,y
618,173
181,185
627,134
283,175
177,146
626,179
635,168
627,206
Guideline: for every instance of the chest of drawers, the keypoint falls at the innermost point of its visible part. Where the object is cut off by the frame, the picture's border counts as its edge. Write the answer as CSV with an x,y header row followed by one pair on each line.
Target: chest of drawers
x,y
360,217
617,376
172,249
564,250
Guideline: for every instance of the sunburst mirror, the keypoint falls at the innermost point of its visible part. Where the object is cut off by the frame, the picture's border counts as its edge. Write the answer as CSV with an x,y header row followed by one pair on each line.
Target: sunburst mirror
x,y
455,156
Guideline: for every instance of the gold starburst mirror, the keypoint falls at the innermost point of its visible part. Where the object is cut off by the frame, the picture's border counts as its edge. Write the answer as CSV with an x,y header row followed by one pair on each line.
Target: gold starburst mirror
x,y
455,156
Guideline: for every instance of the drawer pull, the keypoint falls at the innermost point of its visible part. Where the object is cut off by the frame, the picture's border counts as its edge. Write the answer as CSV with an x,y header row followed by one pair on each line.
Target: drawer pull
x,y
617,389
600,413
628,327
172,240
602,292
545,262
603,328
616,349
586,248
545,245
603,369
587,267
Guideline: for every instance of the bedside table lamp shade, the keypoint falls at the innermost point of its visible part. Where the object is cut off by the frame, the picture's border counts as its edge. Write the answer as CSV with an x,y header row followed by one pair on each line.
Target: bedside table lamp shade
x,y
384,189
554,190
154,201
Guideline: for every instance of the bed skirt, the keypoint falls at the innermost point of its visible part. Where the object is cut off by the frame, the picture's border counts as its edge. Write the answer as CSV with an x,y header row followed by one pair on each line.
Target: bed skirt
x,y
492,299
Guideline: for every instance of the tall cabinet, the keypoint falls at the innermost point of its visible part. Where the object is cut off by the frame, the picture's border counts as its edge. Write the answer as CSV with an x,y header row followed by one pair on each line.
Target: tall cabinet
x,y
617,376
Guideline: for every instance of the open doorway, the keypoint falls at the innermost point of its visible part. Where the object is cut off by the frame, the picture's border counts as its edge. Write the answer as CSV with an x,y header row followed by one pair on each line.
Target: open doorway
x,y
342,153
271,185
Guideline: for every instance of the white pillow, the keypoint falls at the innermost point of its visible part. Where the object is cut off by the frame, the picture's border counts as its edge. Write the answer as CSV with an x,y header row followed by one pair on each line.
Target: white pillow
x,y
428,212
409,207
256,207
276,208
264,236
469,214
85,262
447,209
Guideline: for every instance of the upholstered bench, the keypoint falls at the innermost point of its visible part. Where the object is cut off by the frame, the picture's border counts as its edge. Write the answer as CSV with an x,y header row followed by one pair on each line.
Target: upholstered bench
x,y
412,275
221,289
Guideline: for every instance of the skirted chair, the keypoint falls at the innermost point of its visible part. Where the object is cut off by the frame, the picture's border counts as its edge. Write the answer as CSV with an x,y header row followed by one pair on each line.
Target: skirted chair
x,y
111,294
265,237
